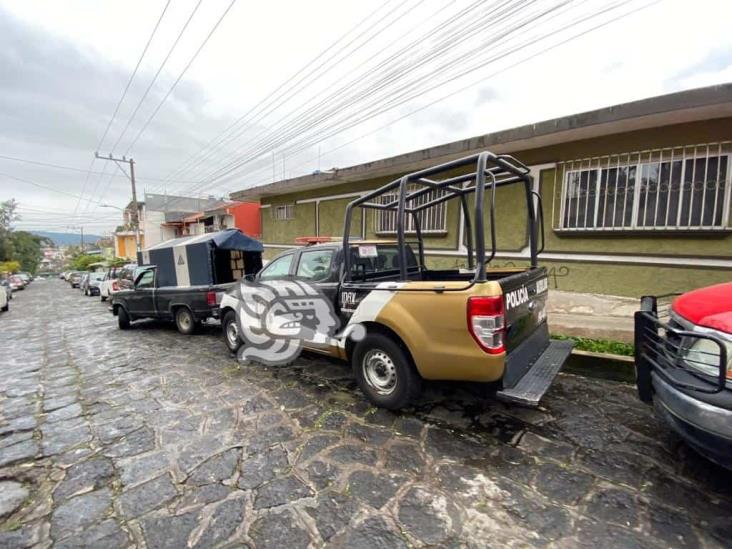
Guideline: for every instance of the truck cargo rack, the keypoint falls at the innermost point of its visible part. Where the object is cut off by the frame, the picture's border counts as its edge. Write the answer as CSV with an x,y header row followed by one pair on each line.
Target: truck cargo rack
x,y
490,171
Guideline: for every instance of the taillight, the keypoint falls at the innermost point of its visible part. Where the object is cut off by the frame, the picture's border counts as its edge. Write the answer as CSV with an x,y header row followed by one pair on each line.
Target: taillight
x,y
211,299
486,322
115,286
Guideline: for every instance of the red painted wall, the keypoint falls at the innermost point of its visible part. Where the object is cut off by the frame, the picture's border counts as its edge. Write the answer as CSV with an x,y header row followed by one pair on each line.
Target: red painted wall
x,y
246,218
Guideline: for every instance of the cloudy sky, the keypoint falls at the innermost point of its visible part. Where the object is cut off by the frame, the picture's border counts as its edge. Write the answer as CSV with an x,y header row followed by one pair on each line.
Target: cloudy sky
x,y
303,85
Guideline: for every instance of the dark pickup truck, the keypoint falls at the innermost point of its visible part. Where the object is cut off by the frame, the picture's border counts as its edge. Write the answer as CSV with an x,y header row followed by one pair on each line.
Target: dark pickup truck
x,y
185,305
183,279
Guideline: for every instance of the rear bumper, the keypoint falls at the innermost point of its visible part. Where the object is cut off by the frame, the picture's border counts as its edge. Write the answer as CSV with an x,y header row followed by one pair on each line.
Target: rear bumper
x,y
706,427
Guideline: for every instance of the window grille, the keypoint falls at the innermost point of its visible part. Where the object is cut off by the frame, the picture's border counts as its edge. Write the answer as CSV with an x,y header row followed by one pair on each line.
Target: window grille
x,y
431,220
286,211
678,188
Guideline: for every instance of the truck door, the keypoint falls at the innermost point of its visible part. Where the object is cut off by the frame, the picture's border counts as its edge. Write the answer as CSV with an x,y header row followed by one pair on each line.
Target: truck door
x,y
142,302
317,266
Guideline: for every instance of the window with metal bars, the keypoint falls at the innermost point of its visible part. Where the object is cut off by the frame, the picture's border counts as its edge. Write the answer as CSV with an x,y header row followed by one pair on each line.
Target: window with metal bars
x,y
431,220
682,188
281,213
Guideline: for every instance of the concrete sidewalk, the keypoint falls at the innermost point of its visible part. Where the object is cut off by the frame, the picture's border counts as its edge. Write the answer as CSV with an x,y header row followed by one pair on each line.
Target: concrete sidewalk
x,y
591,315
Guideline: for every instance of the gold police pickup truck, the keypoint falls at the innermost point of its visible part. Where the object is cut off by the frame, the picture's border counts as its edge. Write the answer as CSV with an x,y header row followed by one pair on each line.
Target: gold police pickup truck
x,y
478,324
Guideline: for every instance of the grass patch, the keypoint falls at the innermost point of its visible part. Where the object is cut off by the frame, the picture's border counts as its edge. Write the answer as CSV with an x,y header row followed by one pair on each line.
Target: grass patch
x,y
599,345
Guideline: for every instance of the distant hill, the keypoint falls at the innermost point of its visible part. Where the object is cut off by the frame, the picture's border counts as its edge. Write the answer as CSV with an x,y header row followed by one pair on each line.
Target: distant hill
x,y
68,239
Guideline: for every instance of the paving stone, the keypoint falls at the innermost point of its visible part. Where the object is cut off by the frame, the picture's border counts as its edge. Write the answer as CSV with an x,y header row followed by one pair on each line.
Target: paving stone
x,y
260,468
146,497
278,530
203,495
600,534
404,457
14,438
168,532
374,489
137,442
20,538
373,533
316,445
138,469
427,515
409,426
332,513
79,513
22,451
672,527
613,505
225,520
105,534
217,468
368,434
24,423
562,484
67,412
85,476
12,496
352,453
280,491
51,404
322,474
62,441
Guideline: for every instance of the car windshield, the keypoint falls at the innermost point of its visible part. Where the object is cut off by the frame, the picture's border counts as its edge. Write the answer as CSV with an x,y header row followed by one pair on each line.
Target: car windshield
x,y
96,276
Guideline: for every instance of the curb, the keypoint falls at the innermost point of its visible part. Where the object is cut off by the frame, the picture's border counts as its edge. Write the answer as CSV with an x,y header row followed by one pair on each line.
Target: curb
x,y
601,365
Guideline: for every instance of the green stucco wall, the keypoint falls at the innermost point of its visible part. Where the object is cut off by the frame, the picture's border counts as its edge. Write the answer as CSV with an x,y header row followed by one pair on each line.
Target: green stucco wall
x,y
608,277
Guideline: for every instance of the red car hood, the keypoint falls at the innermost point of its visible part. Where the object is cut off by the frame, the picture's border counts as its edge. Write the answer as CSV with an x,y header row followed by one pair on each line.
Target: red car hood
x,y
710,307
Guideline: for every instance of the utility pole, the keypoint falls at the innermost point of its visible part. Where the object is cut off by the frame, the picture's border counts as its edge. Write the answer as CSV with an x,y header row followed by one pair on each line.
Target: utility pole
x,y
82,238
131,177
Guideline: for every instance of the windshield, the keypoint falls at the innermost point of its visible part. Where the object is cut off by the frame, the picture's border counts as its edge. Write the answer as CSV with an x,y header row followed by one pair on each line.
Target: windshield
x,y
378,258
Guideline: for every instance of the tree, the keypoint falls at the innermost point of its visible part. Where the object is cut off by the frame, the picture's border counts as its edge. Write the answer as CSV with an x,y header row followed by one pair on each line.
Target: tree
x,y
8,215
27,250
7,267
81,262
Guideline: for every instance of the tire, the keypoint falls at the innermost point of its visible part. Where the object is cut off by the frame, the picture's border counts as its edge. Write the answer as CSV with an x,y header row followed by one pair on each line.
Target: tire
x,y
230,330
184,321
123,319
6,308
384,372
102,297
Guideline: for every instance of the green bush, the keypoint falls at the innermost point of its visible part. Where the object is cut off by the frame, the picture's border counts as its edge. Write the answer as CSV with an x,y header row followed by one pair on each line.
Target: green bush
x,y
599,345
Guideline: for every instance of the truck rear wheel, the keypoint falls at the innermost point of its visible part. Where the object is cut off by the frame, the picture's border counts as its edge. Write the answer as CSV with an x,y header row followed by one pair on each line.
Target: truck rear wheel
x,y
184,321
231,331
385,372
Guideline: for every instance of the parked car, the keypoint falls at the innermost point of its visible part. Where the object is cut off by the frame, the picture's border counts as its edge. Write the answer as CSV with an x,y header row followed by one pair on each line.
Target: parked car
x,y
4,298
84,281
187,292
75,279
8,288
27,277
16,283
474,324
117,279
91,283
683,362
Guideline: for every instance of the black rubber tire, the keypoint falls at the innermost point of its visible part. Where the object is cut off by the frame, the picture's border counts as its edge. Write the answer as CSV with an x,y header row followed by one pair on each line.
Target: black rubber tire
x,y
408,384
123,319
102,298
6,308
229,319
184,321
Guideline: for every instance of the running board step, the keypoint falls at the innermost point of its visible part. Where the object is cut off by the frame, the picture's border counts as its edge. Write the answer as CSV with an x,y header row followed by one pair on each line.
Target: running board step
x,y
535,382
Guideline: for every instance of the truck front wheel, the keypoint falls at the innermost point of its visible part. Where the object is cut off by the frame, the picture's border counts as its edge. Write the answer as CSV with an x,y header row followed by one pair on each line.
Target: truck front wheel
x,y
184,321
385,372
123,319
231,331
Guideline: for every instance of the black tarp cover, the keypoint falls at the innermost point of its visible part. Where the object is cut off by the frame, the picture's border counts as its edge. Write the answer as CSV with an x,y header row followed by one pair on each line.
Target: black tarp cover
x,y
189,261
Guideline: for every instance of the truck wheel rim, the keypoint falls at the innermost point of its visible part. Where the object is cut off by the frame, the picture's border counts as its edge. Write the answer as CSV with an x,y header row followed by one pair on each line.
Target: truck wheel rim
x,y
184,320
379,372
232,333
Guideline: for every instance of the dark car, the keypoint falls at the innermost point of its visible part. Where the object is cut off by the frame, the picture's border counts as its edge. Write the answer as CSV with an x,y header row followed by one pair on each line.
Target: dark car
x,y
684,367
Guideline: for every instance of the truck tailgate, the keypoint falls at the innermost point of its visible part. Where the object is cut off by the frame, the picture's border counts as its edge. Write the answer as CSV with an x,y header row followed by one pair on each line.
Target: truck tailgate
x,y
524,300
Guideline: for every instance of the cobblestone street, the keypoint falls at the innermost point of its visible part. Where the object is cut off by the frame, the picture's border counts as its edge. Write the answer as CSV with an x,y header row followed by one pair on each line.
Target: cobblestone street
x,y
150,438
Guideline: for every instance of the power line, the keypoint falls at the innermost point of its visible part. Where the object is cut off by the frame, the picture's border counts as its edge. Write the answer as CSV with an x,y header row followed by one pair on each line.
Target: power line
x,y
472,84
122,98
77,169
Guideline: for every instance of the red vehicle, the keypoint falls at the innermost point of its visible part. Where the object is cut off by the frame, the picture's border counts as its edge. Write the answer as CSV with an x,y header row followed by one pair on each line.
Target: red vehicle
x,y
683,360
